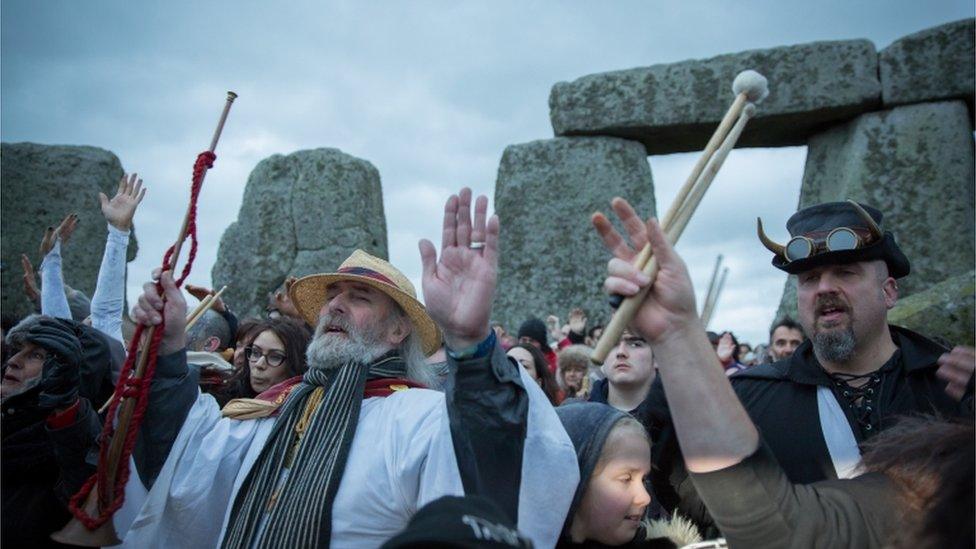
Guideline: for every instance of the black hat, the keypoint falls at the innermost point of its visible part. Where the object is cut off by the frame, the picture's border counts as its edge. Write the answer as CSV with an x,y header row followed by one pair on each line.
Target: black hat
x,y
535,329
817,222
469,522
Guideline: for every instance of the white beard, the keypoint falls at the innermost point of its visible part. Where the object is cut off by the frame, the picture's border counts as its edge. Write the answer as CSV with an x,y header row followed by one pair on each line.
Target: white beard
x,y
329,350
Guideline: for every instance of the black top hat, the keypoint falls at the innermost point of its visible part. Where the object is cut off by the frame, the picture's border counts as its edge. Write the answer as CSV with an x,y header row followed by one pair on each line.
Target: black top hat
x,y
816,223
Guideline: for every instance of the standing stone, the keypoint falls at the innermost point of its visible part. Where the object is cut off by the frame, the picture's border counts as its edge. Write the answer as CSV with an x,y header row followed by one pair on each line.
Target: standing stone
x,y
915,164
931,65
41,185
676,107
551,259
303,213
944,310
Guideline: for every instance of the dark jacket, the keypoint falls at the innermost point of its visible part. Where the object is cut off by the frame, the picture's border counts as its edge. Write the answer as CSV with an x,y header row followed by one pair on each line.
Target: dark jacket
x,y
781,399
41,469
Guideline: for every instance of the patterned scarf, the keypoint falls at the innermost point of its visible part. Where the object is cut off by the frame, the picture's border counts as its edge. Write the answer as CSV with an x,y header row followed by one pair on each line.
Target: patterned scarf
x,y
311,439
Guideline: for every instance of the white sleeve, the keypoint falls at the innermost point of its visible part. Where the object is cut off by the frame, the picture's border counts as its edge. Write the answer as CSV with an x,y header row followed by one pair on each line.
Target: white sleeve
x,y
109,296
54,302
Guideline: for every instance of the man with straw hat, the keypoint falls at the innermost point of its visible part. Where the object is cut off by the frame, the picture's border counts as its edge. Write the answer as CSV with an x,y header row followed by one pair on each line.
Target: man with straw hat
x,y
344,455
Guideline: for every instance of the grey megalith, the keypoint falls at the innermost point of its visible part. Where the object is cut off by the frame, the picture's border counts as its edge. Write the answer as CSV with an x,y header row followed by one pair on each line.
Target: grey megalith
x,y
915,164
931,65
551,259
41,185
302,213
675,107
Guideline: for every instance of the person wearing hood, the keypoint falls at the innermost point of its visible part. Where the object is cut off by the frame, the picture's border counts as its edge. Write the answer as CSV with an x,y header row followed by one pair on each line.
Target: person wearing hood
x,y
612,503
55,367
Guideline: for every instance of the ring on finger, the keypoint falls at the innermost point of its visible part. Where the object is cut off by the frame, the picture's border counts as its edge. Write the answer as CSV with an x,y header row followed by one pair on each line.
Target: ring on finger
x,y
476,245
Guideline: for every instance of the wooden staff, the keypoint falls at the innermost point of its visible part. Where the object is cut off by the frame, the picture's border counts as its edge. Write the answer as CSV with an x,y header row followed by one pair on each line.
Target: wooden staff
x,y
711,285
710,309
205,305
75,532
750,87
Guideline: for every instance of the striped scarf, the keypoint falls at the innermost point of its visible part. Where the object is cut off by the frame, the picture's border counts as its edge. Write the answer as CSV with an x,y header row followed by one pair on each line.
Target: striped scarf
x,y
311,439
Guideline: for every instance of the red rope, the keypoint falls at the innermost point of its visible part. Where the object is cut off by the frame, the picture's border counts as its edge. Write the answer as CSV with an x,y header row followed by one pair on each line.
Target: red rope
x,y
112,497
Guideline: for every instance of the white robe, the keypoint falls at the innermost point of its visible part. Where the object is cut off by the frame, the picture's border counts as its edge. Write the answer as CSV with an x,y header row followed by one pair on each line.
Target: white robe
x,y
401,458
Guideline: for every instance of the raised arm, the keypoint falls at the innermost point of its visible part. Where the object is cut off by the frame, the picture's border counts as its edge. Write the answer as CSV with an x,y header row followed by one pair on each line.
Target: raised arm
x,y
487,404
54,302
745,490
174,385
109,297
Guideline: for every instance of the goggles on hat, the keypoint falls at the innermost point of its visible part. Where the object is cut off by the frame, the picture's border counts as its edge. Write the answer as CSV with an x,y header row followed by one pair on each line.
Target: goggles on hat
x,y
837,240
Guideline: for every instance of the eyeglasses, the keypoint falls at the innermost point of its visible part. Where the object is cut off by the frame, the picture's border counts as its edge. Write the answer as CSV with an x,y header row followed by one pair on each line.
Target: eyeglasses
x,y
839,239
271,358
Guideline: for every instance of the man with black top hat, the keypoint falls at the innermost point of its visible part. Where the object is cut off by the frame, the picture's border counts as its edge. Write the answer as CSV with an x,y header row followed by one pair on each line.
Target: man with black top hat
x,y
856,373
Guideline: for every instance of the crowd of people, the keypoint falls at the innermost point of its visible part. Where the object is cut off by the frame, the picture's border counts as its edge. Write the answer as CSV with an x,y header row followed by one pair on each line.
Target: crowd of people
x,y
353,415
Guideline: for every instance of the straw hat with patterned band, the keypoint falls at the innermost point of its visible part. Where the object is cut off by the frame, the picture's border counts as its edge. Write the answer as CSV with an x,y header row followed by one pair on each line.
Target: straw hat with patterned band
x,y
308,293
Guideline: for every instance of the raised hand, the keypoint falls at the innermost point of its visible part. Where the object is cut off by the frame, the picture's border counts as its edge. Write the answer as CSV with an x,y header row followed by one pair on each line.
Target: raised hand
x,y
31,290
151,307
283,301
201,293
956,368
725,348
122,207
670,305
62,232
459,287
577,321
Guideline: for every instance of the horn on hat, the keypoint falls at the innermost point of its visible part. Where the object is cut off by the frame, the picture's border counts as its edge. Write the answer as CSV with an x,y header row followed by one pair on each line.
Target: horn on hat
x,y
868,220
770,245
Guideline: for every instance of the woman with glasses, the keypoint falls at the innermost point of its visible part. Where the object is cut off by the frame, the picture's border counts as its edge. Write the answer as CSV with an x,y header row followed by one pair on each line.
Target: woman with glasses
x,y
274,351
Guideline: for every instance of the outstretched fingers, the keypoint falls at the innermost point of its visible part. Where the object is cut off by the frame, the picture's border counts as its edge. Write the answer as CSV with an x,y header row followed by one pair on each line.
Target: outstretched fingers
x,y
632,222
660,244
428,258
464,218
492,229
449,233
480,219
611,238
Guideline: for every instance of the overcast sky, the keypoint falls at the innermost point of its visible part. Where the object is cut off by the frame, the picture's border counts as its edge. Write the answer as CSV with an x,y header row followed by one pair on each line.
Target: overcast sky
x,y
429,92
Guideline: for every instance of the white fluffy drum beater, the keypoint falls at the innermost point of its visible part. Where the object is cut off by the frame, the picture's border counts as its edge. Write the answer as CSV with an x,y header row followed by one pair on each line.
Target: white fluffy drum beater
x,y
750,88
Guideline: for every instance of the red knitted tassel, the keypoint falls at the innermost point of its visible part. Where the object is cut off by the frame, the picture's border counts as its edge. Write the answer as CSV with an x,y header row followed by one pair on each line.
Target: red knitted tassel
x,y
130,387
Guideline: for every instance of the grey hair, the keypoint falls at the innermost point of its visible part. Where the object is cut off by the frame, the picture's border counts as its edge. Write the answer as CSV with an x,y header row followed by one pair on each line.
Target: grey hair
x,y
411,351
211,323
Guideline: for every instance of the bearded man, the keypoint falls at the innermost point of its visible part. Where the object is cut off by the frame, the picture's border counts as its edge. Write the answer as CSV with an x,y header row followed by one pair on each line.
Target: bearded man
x,y
856,373
344,455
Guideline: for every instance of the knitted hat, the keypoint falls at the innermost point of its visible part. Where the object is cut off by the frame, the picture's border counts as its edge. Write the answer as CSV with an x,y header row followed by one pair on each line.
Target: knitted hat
x,y
534,329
